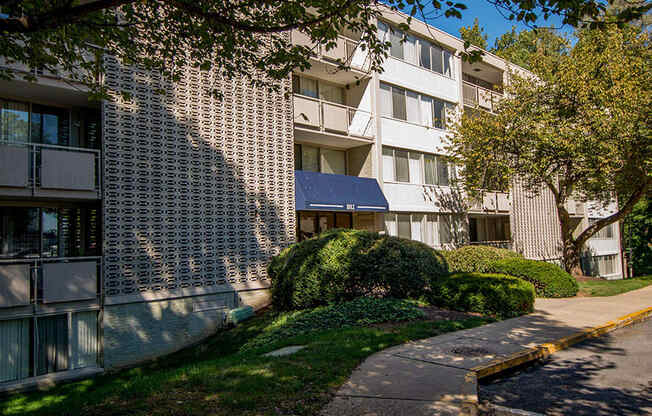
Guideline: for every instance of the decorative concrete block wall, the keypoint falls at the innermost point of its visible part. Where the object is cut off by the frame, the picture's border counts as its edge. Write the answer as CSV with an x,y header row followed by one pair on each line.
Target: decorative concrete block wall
x,y
534,224
198,194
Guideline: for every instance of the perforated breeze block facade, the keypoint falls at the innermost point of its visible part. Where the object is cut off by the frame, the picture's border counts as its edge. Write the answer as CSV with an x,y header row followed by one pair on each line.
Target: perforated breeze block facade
x,y
198,195
535,226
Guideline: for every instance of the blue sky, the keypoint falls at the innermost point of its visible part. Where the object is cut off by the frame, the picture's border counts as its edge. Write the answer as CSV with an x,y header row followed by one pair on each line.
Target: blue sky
x,y
490,19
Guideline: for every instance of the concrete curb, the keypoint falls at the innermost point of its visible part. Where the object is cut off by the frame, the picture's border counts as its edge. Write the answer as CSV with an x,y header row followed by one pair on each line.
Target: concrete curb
x,y
544,350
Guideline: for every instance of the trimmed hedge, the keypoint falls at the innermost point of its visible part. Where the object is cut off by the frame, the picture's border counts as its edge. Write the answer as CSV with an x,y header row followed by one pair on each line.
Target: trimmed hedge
x,y
490,294
343,264
475,259
549,280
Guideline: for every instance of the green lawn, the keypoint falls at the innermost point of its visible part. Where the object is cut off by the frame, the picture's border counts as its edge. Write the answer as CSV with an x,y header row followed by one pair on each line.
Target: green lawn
x,y
216,377
613,287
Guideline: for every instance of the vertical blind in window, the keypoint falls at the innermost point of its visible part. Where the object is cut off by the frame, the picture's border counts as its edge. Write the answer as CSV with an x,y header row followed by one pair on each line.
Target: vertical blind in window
x,y
417,51
431,229
416,108
416,167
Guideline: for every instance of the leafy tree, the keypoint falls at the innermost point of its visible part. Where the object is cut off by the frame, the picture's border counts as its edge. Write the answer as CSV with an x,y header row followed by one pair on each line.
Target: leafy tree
x,y
580,129
638,237
520,47
238,38
474,35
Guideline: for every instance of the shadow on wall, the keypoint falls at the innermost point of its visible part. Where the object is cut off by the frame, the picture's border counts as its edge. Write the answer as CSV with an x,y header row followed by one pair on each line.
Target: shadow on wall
x,y
198,195
451,200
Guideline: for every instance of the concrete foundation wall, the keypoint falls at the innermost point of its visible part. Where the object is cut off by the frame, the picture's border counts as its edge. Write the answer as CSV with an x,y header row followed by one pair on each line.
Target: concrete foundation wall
x,y
141,331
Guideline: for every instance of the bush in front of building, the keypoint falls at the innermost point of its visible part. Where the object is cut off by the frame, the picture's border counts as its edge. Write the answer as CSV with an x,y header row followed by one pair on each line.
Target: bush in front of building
x,y
475,259
489,294
549,280
343,264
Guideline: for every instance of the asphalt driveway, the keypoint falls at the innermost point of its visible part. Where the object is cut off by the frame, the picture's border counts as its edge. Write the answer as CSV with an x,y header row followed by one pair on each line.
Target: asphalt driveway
x,y
609,375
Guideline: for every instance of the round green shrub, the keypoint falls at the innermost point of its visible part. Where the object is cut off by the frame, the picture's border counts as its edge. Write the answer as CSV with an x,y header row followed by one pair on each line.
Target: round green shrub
x,y
489,294
341,265
549,280
475,259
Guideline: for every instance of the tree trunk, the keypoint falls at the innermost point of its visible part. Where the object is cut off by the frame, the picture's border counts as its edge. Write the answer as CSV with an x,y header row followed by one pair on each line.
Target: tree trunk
x,y
571,257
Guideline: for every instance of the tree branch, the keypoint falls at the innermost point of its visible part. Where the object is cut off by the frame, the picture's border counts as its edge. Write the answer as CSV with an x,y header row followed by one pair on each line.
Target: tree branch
x,y
57,17
617,216
192,9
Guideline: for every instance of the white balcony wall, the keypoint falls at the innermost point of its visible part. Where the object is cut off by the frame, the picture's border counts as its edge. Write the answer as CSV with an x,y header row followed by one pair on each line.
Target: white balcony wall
x,y
601,247
404,197
413,77
398,133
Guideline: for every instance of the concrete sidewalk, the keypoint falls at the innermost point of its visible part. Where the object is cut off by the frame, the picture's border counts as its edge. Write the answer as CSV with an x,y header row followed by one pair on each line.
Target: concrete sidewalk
x,y
438,376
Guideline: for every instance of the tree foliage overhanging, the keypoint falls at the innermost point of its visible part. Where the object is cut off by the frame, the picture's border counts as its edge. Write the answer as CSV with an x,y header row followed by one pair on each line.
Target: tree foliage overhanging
x,y
238,38
581,129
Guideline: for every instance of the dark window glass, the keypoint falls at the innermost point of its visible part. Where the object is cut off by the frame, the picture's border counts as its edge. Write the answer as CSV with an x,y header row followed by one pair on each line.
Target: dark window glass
x,y
436,59
14,121
297,157
424,61
50,233
19,232
50,125
52,344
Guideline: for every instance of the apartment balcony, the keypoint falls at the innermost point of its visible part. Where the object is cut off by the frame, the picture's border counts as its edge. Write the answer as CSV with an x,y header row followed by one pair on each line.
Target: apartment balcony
x,y
575,208
324,123
42,283
49,171
347,52
493,202
476,96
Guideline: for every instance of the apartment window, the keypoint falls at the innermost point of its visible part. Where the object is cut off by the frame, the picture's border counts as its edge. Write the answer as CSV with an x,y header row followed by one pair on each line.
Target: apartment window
x,y
14,121
404,226
416,167
396,38
605,233
398,103
600,265
402,166
333,161
25,122
315,159
309,158
27,232
416,108
50,125
431,229
417,51
331,93
305,86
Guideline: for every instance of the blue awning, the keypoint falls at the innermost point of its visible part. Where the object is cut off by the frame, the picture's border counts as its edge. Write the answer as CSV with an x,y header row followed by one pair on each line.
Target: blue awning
x,y
326,192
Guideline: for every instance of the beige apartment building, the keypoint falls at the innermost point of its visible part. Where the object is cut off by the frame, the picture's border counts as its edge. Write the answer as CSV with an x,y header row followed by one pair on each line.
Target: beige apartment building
x,y
130,228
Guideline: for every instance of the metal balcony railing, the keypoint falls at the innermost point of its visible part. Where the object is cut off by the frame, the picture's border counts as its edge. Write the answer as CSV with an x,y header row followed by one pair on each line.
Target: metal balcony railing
x,y
44,167
332,117
475,95
46,280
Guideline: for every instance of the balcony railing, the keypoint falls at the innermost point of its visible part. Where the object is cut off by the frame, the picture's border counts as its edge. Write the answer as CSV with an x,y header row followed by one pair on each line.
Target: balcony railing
x,y
493,201
331,117
506,244
475,95
48,280
34,169
346,50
